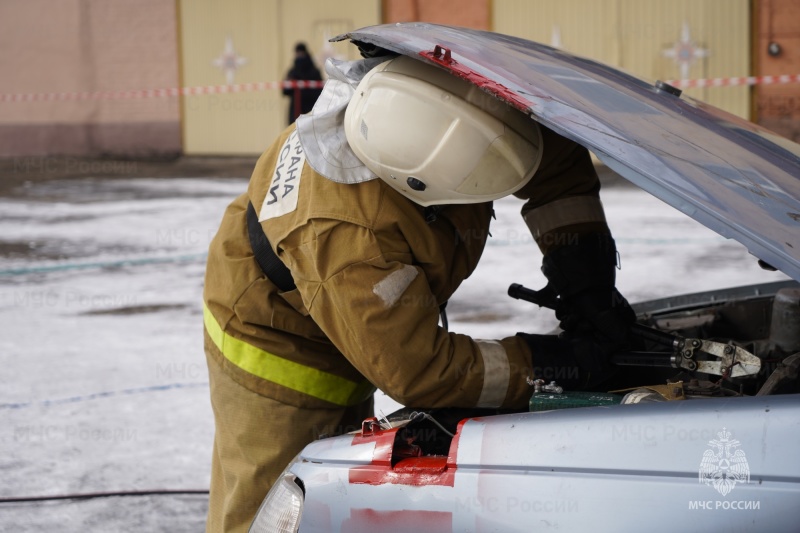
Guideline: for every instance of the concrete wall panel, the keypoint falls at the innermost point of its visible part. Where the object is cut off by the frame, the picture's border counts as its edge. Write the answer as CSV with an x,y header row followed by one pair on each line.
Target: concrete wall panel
x,y
636,35
262,33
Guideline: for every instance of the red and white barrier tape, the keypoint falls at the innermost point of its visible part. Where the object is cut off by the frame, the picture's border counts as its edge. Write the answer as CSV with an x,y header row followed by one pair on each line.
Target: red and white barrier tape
x,y
733,82
162,93
269,85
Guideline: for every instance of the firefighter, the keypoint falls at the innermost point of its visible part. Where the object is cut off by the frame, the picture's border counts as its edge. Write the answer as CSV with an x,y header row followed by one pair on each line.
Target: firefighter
x,y
326,278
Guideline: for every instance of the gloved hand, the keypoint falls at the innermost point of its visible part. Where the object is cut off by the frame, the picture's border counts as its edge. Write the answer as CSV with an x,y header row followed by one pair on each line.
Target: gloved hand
x,y
583,275
574,363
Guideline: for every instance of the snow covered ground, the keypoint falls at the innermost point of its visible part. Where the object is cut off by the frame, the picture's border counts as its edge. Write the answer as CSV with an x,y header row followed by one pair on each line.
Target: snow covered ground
x,y
103,385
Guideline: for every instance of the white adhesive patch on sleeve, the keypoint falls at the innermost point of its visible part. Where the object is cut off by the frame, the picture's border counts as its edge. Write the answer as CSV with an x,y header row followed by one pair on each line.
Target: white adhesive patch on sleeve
x,y
392,287
496,374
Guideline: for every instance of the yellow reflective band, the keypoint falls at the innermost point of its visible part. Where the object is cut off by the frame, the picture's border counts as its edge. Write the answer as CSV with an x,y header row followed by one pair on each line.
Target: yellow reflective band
x,y
301,378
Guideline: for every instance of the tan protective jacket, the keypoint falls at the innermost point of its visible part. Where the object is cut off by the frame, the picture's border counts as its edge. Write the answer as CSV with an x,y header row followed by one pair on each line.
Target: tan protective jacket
x,y
371,273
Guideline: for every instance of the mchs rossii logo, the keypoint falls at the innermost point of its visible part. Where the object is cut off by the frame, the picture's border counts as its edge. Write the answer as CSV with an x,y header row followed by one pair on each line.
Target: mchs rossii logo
x,y
724,464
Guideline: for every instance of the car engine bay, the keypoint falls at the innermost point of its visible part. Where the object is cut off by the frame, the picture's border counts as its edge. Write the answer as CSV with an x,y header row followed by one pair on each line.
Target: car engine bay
x,y
737,342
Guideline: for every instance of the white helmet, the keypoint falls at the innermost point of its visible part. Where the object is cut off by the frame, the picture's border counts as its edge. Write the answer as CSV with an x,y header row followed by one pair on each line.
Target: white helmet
x,y
438,139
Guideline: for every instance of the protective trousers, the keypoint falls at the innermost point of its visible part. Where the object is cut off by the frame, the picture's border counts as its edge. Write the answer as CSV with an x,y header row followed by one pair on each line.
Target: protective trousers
x,y
256,437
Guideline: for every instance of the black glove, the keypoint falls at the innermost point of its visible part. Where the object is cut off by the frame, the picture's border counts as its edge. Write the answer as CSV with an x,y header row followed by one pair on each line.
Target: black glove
x,y
583,275
573,363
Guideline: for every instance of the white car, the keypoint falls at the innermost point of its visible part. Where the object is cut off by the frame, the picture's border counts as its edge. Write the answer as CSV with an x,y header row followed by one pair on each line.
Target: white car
x,y
706,436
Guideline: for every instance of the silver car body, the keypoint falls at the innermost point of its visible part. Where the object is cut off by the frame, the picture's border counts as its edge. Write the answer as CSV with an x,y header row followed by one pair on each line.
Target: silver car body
x,y
616,468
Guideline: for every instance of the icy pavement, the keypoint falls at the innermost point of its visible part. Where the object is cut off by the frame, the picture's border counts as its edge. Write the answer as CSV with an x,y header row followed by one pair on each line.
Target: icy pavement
x,y
103,384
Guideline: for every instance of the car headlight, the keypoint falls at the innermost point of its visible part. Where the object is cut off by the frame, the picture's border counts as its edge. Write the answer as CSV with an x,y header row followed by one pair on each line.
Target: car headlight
x,y
281,509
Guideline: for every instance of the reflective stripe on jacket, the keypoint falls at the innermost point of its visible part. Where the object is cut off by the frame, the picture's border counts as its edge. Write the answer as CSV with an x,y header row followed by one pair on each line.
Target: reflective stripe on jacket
x,y
281,371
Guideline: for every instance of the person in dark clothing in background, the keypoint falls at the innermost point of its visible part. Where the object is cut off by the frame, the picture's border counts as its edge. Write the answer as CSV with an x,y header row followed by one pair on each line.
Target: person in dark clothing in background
x,y
302,100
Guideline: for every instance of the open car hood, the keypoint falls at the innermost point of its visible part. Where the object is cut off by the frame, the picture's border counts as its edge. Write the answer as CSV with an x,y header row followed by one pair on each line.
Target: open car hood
x,y
734,177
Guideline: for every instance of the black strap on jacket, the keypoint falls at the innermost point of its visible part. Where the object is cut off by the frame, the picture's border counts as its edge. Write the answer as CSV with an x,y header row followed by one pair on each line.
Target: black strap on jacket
x,y
273,267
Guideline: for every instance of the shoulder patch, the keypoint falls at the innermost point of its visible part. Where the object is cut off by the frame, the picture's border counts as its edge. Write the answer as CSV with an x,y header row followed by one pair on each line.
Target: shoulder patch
x,y
283,188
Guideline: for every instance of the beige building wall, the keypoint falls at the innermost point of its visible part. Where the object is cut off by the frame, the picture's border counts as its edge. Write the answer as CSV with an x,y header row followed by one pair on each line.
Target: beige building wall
x,y
102,45
85,46
466,13
262,35
634,35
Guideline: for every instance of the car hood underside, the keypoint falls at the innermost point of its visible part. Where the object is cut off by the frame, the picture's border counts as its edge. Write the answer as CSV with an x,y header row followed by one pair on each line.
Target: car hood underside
x,y
736,178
